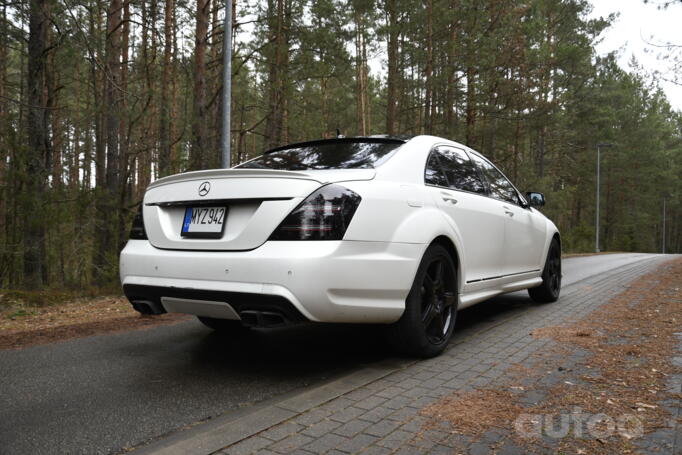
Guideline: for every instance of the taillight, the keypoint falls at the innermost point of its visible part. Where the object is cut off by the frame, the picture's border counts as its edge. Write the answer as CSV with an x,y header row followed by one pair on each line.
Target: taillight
x,y
137,231
324,215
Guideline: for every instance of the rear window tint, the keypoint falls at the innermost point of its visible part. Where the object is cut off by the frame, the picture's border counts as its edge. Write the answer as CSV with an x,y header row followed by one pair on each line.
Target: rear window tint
x,y
341,155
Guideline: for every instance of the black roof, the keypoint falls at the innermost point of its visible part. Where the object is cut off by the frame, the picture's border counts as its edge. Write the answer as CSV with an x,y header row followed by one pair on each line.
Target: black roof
x,y
376,139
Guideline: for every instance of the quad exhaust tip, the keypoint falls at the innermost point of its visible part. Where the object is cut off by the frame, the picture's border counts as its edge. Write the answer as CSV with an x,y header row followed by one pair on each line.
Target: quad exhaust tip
x,y
148,307
265,319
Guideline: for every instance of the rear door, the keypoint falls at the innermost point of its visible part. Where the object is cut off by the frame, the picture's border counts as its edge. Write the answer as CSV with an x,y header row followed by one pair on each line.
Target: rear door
x,y
524,230
460,193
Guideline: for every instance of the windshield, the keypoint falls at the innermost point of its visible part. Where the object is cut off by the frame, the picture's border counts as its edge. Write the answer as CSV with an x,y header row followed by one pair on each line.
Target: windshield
x,y
331,155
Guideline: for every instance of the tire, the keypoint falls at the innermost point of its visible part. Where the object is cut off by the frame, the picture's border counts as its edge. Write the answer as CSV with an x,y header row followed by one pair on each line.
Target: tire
x,y
426,326
550,288
226,326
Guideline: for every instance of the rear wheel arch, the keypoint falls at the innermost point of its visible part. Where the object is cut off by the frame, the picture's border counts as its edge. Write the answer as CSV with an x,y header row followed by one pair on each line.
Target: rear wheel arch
x,y
449,245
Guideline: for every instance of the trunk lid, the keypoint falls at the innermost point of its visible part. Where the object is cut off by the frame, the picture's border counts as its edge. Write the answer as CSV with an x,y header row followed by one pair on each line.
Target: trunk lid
x,y
256,201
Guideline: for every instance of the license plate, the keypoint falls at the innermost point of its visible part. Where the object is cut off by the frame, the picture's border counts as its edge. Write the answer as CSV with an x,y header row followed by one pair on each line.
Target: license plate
x,y
206,222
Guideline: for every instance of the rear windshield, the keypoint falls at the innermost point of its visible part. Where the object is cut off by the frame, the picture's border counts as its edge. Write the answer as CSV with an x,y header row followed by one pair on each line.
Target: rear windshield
x,y
333,155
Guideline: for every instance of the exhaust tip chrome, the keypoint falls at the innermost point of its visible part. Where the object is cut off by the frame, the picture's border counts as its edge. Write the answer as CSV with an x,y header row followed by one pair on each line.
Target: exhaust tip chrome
x,y
148,307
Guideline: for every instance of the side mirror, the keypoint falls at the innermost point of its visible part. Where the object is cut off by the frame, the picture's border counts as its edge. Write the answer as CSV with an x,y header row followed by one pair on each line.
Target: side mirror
x,y
535,199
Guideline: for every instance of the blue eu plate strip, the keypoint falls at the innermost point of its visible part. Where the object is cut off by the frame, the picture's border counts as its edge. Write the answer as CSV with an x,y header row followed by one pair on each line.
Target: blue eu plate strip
x,y
188,219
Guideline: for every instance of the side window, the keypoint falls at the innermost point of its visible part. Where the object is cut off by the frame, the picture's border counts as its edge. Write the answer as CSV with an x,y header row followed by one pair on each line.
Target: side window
x,y
500,187
460,171
433,175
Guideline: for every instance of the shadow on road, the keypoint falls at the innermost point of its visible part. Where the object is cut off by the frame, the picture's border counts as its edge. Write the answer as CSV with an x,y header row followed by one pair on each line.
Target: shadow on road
x,y
303,348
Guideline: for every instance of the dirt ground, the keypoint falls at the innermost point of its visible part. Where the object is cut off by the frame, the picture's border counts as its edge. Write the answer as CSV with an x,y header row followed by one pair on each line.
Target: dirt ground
x,y
25,323
616,362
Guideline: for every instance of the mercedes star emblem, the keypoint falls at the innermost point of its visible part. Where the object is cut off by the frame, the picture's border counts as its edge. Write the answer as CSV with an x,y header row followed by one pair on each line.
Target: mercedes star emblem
x,y
204,188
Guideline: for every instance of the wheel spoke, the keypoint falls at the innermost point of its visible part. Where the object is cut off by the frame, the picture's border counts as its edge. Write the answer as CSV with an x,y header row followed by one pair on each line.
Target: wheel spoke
x,y
447,318
429,283
438,324
429,315
437,274
437,299
449,300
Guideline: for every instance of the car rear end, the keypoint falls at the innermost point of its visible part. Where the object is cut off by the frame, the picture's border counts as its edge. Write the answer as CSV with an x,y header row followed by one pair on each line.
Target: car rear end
x,y
265,244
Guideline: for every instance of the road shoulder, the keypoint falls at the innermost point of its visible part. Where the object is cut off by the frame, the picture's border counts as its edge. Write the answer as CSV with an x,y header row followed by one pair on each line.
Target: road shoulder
x,y
23,324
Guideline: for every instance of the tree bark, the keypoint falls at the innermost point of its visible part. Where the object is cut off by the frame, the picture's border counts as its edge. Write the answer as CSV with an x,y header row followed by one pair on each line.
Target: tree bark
x,y
165,119
451,127
362,95
199,139
277,72
107,200
38,150
392,76
428,96
124,134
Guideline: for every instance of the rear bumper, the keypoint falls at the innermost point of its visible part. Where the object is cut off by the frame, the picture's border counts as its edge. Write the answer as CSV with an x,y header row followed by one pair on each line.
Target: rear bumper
x,y
327,281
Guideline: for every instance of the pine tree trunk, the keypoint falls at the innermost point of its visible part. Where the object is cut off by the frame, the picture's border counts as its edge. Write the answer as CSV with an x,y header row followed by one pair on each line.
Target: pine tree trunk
x,y
362,98
392,76
277,72
124,147
165,119
97,83
199,142
451,127
4,152
38,150
144,158
428,101
174,165
107,207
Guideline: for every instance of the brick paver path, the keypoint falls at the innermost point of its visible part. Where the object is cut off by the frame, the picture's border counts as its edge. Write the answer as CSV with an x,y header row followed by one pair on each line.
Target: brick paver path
x,y
384,416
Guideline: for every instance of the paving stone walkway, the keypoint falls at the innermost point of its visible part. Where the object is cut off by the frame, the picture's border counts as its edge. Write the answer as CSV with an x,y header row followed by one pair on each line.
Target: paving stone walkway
x,y
384,417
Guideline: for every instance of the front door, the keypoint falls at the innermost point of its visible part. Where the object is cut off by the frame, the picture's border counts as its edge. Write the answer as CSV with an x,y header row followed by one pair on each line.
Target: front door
x,y
523,231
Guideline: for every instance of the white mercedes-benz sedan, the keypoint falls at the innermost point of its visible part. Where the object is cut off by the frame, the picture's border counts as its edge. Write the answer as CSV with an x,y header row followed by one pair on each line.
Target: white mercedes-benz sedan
x,y
402,232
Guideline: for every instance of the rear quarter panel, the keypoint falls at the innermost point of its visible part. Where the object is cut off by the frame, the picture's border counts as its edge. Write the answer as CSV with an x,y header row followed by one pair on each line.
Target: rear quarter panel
x,y
399,213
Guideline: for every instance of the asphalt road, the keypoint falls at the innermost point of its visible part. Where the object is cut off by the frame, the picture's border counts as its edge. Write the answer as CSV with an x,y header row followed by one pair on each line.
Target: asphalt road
x,y
106,393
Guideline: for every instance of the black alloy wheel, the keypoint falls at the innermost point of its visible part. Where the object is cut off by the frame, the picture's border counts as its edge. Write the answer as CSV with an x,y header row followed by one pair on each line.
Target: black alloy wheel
x,y
550,288
426,326
437,301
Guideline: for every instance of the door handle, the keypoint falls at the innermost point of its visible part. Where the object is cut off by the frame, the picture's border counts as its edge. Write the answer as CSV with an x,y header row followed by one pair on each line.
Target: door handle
x,y
449,199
